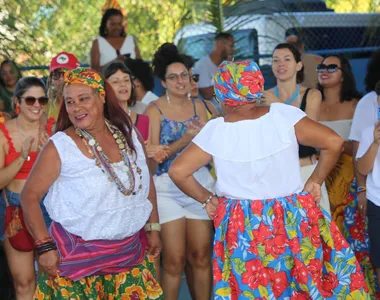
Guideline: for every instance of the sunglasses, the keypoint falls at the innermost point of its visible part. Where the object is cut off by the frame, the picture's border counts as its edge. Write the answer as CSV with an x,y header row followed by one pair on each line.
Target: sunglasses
x,y
56,75
330,68
195,77
31,100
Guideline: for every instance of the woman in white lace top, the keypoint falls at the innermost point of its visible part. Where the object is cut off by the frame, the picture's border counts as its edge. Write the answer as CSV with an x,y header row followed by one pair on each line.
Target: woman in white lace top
x,y
100,198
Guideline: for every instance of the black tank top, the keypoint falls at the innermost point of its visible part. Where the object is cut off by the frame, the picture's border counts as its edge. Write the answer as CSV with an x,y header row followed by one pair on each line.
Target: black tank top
x,y
305,151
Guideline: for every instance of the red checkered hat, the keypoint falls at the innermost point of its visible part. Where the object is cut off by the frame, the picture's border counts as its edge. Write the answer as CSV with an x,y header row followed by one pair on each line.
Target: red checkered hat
x,y
64,60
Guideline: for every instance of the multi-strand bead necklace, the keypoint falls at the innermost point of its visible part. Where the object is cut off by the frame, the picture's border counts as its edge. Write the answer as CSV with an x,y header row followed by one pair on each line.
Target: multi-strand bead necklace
x,y
108,168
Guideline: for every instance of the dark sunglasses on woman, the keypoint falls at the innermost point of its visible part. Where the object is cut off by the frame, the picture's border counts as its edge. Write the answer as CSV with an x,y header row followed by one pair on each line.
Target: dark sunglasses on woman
x,y
195,77
31,100
330,68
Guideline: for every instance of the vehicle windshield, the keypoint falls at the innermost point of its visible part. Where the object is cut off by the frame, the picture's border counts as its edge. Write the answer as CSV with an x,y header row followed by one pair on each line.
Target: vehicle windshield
x,y
201,45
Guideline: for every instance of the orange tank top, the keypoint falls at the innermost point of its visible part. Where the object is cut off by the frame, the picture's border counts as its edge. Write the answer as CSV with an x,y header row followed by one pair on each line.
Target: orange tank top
x,y
12,155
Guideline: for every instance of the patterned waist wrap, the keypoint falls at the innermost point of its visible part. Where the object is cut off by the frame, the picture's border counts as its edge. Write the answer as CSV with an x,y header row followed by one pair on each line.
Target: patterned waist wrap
x,y
80,258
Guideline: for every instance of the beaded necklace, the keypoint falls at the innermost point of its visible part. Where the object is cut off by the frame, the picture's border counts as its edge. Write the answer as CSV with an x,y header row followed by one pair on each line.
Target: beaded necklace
x,y
108,168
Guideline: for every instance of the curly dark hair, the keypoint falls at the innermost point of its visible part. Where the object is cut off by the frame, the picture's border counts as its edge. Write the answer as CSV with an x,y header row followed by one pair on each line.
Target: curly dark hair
x,y
142,71
296,55
166,55
109,13
348,90
187,60
373,73
111,68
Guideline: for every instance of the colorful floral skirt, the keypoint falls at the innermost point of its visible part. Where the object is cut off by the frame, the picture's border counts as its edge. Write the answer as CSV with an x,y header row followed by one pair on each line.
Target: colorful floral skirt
x,y
137,283
355,230
283,248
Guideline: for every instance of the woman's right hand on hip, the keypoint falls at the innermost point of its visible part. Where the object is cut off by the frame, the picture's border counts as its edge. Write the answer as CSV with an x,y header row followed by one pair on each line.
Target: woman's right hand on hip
x,y
49,261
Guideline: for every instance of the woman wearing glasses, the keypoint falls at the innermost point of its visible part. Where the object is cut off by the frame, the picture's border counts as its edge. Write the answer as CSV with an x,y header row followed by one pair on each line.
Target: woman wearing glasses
x,y
59,62
339,99
288,69
20,142
186,228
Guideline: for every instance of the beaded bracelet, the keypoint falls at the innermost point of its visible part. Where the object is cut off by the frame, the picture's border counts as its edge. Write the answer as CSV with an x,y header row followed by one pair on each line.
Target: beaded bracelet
x,y
361,189
208,200
45,247
43,240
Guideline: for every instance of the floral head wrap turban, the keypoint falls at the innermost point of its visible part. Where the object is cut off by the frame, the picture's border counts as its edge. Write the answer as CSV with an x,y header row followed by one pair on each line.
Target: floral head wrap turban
x,y
238,83
85,76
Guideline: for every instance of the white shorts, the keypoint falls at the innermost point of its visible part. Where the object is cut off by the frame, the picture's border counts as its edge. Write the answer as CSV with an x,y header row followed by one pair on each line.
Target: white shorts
x,y
306,172
173,204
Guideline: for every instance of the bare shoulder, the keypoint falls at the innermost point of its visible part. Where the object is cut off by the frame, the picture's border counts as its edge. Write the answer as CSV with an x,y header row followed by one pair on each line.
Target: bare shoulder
x,y
152,109
314,95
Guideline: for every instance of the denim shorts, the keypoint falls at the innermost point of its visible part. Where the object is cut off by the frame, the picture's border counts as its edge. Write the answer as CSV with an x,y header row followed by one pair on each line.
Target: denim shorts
x,y
14,199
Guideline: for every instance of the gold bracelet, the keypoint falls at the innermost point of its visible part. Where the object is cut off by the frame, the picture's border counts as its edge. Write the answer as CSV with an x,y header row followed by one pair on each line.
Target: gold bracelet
x,y
152,227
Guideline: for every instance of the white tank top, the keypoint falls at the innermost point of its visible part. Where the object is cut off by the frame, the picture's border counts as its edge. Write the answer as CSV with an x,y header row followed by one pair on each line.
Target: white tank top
x,y
108,53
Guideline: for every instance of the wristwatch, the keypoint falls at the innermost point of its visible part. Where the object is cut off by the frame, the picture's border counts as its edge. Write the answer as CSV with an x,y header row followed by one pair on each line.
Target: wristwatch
x,y
152,227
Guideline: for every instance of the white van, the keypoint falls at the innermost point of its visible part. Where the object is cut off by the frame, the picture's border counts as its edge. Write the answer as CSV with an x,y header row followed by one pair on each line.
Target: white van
x,y
257,35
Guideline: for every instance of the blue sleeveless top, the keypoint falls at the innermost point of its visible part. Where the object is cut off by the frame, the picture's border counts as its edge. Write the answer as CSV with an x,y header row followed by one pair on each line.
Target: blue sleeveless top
x,y
172,131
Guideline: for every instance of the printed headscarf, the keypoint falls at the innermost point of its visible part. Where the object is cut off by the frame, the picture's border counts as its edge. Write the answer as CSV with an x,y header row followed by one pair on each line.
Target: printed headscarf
x,y
238,83
87,77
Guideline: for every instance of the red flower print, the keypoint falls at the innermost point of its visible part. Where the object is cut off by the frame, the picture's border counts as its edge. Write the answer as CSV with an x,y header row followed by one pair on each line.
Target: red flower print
x,y
361,255
306,201
237,218
276,245
357,281
222,88
315,270
262,233
217,272
339,241
328,284
300,295
299,271
231,239
278,210
255,274
235,291
254,81
278,280
314,213
226,76
294,245
311,232
220,213
253,248
326,252
257,207
357,232
219,250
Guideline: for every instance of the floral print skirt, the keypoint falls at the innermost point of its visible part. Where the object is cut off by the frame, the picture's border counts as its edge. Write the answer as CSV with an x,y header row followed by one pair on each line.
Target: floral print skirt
x,y
283,248
355,230
137,283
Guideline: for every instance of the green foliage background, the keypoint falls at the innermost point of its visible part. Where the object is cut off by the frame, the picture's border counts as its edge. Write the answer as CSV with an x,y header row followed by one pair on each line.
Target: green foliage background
x,y
33,31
